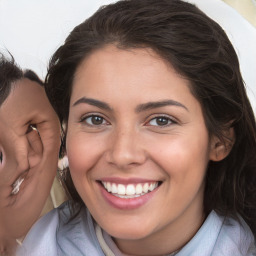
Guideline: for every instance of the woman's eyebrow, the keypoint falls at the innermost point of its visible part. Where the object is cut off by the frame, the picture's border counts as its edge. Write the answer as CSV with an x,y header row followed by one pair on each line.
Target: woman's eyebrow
x,y
158,104
93,102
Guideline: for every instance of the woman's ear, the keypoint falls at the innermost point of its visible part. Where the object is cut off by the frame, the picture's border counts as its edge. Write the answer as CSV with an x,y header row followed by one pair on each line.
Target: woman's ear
x,y
220,148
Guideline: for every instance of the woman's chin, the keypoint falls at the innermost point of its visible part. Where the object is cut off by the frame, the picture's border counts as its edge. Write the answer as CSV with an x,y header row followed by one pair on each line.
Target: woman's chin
x,y
128,232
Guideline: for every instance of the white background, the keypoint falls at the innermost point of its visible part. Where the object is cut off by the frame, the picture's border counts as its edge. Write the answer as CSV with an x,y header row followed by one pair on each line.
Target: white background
x,y
33,29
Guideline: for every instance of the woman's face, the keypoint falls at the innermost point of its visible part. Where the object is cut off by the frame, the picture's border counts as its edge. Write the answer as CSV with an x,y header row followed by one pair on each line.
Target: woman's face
x,y
137,145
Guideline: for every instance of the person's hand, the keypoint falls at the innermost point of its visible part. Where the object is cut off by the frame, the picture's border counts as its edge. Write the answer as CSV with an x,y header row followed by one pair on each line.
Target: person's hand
x,y
28,157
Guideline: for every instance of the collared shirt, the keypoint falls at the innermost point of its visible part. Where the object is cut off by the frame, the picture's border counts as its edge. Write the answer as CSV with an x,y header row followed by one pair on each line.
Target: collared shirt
x,y
56,234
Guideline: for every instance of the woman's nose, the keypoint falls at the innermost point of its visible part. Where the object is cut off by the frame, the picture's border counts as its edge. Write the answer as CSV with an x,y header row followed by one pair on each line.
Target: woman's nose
x,y
126,149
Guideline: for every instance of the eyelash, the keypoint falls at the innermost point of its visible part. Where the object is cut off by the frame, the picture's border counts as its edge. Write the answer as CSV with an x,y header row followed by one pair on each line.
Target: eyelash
x,y
103,121
169,121
83,120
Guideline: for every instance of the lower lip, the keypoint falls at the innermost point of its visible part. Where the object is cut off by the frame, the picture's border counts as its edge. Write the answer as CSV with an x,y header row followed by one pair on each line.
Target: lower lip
x,y
127,203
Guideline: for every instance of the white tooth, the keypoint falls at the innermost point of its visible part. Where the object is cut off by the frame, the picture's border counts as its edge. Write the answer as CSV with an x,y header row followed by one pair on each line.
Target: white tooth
x,y
104,184
138,189
109,186
156,185
126,196
151,187
130,190
120,189
114,188
145,188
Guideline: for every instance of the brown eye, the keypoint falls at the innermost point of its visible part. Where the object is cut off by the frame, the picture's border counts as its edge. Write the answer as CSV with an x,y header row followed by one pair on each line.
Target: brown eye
x,y
160,121
1,157
94,120
97,120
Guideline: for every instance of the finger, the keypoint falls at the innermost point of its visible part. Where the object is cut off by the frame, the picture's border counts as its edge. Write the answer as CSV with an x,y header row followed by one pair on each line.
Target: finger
x,y
34,141
20,155
14,157
49,131
35,148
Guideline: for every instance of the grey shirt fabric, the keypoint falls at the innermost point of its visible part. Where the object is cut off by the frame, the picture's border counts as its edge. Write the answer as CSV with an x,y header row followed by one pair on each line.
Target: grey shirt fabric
x,y
56,234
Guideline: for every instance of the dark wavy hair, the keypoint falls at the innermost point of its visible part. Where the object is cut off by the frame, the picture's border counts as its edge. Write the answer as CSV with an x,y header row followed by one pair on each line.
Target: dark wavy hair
x,y
199,50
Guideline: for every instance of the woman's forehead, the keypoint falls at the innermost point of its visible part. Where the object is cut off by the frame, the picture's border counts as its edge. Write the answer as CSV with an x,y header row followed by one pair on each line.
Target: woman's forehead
x,y
111,63
129,78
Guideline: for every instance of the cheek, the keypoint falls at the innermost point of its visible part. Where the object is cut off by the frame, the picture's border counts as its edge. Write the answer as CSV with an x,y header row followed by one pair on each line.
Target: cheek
x,y
185,165
184,157
76,154
82,153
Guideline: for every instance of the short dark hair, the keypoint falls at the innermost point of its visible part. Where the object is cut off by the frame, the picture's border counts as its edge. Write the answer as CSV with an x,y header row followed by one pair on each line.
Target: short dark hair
x,y
199,50
10,72
31,75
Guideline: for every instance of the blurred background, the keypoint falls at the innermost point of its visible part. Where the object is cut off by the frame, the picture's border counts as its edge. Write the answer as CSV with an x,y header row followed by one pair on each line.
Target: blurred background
x,y
32,30
247,8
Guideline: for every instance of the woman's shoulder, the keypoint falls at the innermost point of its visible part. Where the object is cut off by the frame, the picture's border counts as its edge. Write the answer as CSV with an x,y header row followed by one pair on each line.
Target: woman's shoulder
x,y
61,232
221,236
235,237
41,234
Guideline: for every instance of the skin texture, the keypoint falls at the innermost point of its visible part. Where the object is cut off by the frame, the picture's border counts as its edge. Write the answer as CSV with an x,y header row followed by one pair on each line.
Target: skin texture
x,y
26,154
129,144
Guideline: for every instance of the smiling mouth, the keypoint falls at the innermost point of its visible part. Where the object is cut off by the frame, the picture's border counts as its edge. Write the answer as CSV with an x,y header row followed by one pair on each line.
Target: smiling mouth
x,y
130,190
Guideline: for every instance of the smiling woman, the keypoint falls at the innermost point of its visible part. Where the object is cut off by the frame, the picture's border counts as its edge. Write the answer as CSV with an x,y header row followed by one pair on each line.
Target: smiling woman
x,y
129,136
155,119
